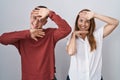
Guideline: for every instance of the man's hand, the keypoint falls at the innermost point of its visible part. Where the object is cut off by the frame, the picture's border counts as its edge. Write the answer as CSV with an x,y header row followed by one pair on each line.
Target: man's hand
x,y
41,12
36,33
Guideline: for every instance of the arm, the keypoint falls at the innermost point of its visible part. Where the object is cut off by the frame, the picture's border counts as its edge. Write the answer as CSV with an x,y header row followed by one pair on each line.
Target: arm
x,y
13,37
63,27
71,47
111,23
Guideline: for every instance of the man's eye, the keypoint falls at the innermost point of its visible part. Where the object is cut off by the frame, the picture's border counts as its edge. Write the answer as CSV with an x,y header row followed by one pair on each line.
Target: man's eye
x,y
34,17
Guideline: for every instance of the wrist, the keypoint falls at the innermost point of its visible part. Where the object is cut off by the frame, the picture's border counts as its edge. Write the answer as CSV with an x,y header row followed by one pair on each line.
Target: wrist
x,y
73,34
51,13
48,12
95,15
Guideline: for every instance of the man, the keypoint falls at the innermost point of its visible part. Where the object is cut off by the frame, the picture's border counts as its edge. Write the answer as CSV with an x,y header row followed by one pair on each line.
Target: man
x,y
36,46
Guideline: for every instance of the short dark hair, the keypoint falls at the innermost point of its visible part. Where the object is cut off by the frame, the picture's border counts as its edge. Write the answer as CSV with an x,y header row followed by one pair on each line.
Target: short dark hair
x,y
40,7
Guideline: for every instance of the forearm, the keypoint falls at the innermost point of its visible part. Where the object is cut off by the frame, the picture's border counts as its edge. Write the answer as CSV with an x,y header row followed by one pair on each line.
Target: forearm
x,y
111,23
63,27
108,20
71,47
12,37
62,24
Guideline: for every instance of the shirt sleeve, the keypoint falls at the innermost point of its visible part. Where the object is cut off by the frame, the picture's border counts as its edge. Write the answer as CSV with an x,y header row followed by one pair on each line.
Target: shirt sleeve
x,y
99,34
63,27
14,37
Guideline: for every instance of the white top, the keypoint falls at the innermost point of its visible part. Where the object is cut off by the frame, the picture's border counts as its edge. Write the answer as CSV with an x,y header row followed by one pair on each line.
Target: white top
x,y
86,65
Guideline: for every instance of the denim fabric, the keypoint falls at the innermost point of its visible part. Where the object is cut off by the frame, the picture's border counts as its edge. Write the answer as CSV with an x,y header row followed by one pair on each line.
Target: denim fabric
x,y
55,78
69,78
102,78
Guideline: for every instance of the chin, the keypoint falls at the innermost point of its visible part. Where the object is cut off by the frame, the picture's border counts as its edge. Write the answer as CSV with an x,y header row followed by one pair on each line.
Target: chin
x,y
39,28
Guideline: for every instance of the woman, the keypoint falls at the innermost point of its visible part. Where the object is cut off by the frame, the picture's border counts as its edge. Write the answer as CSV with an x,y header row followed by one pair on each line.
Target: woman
x,y
85,45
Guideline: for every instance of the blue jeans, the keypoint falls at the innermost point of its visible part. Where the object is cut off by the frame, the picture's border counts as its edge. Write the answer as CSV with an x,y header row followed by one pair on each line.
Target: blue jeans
x,y
69,78
55,78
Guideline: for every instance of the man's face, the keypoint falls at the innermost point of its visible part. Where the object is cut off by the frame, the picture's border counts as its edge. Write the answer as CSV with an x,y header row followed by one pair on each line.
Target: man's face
x,y
36,22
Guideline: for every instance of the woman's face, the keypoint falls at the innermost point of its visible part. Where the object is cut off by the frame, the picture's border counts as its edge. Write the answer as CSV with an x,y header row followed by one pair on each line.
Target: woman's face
x,y
83,23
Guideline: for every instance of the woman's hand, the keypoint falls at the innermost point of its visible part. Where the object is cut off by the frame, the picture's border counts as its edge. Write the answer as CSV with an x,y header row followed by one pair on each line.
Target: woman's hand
x,y
80,33
90,15
87,14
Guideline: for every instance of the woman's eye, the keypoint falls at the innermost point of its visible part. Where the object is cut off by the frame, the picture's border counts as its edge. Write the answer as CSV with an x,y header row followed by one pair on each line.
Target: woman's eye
x,y
88,21
81,20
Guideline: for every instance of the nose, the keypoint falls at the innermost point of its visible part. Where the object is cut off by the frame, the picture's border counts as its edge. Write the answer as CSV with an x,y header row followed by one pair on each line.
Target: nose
x,y
36,22
83,23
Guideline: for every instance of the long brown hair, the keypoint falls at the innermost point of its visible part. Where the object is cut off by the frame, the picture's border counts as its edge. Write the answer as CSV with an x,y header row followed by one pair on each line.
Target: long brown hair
x,y
90,35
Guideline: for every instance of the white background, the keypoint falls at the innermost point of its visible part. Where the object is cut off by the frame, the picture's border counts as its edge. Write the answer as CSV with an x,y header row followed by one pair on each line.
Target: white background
x,y
14,15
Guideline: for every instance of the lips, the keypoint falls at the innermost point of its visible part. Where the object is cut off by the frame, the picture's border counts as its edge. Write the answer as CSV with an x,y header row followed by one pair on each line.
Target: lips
x,y
83,27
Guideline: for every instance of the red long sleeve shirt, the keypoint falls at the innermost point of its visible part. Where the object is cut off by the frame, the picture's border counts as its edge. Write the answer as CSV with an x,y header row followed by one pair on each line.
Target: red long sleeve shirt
x,y
37,57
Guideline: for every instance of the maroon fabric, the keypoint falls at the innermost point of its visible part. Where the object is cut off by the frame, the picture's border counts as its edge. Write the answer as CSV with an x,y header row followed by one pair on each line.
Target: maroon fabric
x,y
37,57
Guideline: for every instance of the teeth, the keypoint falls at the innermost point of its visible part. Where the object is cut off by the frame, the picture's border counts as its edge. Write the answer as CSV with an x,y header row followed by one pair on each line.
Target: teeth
x,y
83,27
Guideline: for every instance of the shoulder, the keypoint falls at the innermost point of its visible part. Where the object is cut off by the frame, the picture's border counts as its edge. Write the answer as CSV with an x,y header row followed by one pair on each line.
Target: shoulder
x,y
99,30
99,33
49,30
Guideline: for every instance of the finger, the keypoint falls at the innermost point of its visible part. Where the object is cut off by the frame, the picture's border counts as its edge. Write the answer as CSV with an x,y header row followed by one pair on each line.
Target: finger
x,y
82,32
79,35
41,33
38,31
35,14
35,38
34,11
40,36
